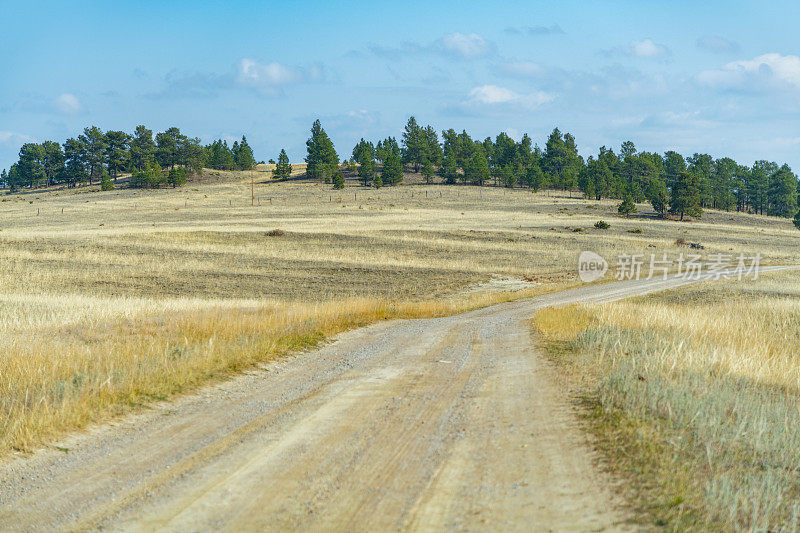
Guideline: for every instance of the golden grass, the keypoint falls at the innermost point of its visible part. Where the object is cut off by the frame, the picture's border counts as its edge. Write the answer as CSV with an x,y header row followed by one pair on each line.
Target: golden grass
x,y
111,299
61,377
695,393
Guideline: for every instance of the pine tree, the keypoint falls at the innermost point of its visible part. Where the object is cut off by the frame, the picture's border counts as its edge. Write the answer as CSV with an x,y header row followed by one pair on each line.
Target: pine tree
x,y
702,167
685,195
95,142
244,156
31,165
366,168
415,144
283,169
142,148
782,192
220,157
658,196
105,182
167,147
427,171
75,158
477,170
392,172
176,177
561,161
433,150
338,180
322,159
449,169
191,155
53,161
627,206
758,185
117,153
534,177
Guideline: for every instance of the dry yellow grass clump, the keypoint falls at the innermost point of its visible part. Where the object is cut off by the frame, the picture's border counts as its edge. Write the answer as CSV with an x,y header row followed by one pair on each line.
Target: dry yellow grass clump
x,y
698,392
109,299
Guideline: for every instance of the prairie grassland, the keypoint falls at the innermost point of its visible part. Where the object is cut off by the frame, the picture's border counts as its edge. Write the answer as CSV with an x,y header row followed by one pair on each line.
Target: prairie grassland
x,y
695,393
110,299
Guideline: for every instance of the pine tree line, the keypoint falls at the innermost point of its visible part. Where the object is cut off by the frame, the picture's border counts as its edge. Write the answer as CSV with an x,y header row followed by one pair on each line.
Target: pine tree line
x,y
672,183
98,157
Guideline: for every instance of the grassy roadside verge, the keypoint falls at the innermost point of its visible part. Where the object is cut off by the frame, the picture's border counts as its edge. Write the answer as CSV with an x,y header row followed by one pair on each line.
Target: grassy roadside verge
x,y
693,397
58,379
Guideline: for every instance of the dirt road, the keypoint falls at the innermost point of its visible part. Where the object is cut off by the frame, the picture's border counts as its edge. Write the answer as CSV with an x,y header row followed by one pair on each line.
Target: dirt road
x,y
450,423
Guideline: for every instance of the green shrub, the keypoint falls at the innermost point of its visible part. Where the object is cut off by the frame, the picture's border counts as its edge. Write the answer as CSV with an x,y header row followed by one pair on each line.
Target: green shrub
x,y
105,182
148,178
176,177
602,224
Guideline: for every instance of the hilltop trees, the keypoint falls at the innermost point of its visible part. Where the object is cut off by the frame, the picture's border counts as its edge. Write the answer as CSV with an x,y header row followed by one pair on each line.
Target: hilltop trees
x,y
117,151
95,143
561,162
783,193
75,157
283,169
595,179
322,159
758,185
219,156
669,181
142,148
167,147
93,154
31,165
420,146
243,155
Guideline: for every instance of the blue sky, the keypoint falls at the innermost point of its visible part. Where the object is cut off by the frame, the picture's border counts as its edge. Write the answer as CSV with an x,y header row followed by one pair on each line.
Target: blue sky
x,y
716,77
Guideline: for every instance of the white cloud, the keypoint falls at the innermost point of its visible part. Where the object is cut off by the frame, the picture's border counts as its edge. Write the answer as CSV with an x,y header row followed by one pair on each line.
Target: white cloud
x,y
646,48
763,72
256,74
494,95
68,104
468,46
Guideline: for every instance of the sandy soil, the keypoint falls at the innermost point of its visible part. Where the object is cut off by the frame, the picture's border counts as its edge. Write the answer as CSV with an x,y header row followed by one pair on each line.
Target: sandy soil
x,y
450,423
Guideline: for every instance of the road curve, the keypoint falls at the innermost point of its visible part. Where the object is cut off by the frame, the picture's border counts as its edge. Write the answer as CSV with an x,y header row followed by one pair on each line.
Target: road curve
x,y
447,423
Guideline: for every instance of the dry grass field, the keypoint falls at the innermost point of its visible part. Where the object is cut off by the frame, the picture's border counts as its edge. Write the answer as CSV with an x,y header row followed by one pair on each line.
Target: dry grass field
x,y
112,299
695,393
